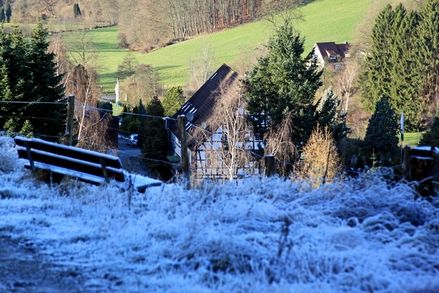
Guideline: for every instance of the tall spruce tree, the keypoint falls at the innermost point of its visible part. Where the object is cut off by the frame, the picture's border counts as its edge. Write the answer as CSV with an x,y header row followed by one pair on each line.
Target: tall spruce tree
x,y
8,11
282,82
326,114
406,81
403,62
431,136
15,79
173,100
155,141
428,52
381,134
375,76
2,14
45,86
76,10
29,81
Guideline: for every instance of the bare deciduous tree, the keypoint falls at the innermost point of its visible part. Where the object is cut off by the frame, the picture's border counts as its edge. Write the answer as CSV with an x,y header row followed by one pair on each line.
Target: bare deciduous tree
x,y
95,127
224,147
128,66
346,84
142,86
286,8
57,47
280,144
82,83
47,6
201,67
82,50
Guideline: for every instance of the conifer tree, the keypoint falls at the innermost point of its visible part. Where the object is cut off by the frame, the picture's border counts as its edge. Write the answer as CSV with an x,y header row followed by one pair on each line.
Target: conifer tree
x,y
375,76
8,12
28,74
404,91
381,134
76,10
428,55
27,129
15,78
431,136
173,100
403,62
155,141
45,85
2,14
283,81
326,114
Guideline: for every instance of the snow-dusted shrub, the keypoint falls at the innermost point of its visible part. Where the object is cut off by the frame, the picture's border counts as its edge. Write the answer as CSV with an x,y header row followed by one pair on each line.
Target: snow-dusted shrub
x,y
8,154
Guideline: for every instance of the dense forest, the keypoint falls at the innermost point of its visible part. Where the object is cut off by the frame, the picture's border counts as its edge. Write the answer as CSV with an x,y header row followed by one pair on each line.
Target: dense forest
x,y
402,63
148,24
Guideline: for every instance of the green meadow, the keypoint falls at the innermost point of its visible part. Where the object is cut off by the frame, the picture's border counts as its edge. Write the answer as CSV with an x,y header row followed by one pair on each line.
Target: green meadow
x,y
323,21
412,139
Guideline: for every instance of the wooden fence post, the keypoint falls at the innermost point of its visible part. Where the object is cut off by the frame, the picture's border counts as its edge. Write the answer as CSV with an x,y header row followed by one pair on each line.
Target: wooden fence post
x,y
406,161
184,154
70,117
269,165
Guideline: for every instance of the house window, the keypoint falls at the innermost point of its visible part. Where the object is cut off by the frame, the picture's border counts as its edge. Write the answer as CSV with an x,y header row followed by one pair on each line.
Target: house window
x,y
332,55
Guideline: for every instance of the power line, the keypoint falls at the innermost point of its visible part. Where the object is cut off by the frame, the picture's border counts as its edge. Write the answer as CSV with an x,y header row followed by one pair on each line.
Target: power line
x,y
28,117
107,110
31,102
151,116
13,134
95,108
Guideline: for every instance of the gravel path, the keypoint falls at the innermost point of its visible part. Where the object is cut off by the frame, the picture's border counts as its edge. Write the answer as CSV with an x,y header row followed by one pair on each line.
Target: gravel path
x,y
23,269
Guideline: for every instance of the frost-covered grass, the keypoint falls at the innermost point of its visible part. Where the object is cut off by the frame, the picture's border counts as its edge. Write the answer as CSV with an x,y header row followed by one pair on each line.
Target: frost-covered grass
x,y
257,235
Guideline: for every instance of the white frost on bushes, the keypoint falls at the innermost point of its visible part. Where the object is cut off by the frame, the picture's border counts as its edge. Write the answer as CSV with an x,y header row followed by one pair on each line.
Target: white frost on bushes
x,y
261,235
8,154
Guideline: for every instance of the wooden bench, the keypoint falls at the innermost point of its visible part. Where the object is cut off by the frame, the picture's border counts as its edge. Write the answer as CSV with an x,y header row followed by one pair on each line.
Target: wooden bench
x,y
88,166
421,164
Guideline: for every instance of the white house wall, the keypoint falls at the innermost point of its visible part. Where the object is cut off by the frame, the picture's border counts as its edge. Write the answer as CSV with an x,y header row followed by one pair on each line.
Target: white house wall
x,y
208,151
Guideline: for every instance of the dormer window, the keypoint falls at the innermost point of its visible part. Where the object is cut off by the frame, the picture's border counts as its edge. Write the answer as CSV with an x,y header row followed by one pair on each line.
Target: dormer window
x,y
332,55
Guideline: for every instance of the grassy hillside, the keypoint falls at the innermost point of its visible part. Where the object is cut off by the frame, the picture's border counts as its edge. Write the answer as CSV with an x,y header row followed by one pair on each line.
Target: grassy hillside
x,y
325,20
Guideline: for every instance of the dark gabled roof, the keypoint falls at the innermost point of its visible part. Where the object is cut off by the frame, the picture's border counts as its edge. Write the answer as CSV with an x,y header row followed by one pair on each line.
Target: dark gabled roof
x,y
203,103
324,48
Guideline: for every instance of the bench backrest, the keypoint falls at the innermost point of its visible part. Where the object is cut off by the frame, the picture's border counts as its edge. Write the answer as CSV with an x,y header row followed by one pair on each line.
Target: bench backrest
x,y
69,158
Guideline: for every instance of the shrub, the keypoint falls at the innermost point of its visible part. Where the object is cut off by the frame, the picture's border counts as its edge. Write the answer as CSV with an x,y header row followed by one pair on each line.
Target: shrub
x,y
320,161
8,154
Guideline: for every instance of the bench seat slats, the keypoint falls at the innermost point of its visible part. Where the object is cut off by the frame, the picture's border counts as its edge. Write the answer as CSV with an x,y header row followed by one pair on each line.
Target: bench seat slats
x,y
67,151
71,163
82,164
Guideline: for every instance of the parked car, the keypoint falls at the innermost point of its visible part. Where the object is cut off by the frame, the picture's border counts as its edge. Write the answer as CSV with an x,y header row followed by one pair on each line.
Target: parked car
x,y
133,140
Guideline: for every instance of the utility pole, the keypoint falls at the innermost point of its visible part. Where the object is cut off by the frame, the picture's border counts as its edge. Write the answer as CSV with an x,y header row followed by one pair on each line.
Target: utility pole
x,y
70,117
184,154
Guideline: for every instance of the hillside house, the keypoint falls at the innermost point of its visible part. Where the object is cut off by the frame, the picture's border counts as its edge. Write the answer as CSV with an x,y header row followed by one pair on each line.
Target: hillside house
x,y
213,146
331,55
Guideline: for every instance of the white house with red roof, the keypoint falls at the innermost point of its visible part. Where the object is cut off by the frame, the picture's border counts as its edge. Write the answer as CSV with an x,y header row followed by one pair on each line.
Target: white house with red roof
x,y
330,54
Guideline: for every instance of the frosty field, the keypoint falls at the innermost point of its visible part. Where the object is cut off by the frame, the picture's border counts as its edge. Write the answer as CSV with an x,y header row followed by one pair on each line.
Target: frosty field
x,y
255,235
